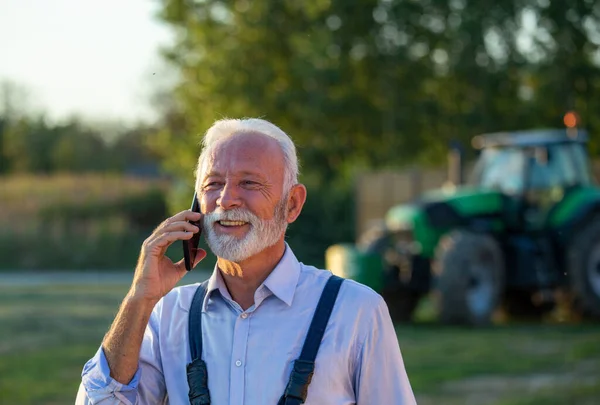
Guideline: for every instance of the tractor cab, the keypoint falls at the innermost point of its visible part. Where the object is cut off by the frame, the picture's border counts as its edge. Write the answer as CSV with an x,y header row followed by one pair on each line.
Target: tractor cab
x,y
533,169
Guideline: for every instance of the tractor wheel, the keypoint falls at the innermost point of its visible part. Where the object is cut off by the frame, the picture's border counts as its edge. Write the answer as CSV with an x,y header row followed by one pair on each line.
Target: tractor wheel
x,y
401,300
469,268
584,270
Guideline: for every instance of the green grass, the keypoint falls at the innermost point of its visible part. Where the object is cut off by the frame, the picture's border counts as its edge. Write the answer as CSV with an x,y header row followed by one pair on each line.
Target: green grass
x,y
447,362
435,354
48,333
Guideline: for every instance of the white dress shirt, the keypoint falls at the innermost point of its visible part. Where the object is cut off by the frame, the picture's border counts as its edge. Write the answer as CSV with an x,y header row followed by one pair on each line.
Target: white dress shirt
x,y
249,354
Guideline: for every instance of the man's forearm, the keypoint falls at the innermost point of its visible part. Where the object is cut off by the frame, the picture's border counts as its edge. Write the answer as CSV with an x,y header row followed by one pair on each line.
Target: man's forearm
x,y
123,341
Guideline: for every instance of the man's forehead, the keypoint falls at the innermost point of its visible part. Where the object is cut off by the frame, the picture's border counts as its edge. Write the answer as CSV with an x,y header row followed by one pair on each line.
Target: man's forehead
x,y
247,139
245,153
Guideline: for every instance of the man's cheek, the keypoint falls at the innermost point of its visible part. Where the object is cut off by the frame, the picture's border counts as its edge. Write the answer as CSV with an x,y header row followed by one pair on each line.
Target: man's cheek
x,y
207,204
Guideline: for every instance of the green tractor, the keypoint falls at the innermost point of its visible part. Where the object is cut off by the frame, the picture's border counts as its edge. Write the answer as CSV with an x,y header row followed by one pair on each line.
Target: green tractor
x,y
522,233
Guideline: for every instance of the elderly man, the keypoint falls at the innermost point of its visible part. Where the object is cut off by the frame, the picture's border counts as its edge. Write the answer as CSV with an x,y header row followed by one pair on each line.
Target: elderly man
x,y
252,322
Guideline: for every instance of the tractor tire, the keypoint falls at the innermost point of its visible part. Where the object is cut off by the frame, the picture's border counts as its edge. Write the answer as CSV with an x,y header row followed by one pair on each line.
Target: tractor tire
x,y
584,270
400,299
401,302
469,271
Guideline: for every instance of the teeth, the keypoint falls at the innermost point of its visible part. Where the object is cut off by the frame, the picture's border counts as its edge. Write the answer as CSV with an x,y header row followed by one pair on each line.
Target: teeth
x,y
232,223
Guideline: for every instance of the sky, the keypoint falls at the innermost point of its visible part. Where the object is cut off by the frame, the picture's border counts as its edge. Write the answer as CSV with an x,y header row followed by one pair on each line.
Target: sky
x,y
95,59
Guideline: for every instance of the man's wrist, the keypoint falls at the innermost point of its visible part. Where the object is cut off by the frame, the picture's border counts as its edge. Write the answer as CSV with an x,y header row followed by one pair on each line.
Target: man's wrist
x,y
138,298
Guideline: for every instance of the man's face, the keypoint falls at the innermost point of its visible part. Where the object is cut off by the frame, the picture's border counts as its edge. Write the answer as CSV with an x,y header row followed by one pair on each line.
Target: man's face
x,y
241,196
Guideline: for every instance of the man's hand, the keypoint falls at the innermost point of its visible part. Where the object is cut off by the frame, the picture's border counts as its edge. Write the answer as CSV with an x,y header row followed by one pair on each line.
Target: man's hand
x,y
156,274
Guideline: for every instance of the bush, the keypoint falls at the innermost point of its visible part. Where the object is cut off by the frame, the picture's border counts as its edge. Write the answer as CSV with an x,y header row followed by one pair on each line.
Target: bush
x,y
101,249
77,222
142,210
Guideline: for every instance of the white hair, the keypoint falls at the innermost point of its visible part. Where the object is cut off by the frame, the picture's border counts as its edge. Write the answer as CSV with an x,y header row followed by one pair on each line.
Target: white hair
x,y
226,128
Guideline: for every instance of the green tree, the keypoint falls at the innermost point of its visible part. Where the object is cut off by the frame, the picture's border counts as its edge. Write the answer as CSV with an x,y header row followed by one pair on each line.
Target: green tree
x,y
28,143
4,163
78,149
366,84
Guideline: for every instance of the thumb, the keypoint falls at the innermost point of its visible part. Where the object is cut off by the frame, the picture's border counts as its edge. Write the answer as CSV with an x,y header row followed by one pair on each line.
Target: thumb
x,y
200,255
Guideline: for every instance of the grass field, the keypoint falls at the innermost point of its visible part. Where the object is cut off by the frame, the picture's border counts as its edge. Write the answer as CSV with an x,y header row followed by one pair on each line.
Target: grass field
x,y
47,333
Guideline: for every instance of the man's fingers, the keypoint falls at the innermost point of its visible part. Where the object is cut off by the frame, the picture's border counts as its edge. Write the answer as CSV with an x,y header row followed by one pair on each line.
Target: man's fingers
x,y
200,255
183,216
179,226
172,229
163,241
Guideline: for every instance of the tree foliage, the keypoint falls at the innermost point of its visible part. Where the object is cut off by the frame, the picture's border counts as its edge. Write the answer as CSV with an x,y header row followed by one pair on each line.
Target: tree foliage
x,y
30,144
365,83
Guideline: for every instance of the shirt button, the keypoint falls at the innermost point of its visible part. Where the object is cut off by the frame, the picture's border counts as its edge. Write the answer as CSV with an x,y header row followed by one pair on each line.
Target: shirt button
x,y
238,363
244,315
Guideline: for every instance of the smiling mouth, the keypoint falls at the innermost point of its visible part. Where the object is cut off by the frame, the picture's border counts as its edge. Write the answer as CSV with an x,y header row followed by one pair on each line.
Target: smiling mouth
x,y
232,223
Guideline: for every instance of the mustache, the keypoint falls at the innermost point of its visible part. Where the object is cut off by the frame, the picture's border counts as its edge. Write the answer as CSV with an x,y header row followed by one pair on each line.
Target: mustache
x,y
235,214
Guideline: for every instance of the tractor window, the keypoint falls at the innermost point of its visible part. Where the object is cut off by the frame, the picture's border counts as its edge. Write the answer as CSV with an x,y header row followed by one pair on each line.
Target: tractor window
x,y
552,167
501,169
582,164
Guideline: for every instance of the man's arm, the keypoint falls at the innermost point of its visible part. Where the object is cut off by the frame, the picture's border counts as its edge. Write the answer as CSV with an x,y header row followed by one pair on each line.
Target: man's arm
x,y
123,341
155,276
381,377
114,371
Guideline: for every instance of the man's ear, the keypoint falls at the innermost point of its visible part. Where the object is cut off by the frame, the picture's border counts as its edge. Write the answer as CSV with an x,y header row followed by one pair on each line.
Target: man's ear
x,y
296,201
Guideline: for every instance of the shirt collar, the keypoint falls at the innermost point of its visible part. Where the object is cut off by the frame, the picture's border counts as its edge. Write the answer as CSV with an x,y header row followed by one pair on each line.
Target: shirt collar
x,y
283,279
281,282
215,282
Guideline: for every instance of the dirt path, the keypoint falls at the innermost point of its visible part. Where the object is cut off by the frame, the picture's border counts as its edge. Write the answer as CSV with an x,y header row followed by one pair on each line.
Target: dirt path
x,y
489,390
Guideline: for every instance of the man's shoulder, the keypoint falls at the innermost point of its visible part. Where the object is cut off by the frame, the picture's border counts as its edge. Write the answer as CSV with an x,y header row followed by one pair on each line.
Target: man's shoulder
x,y
352,293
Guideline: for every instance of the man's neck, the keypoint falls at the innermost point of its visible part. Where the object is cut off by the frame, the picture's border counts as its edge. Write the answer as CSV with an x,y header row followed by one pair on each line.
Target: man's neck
x,y
242,279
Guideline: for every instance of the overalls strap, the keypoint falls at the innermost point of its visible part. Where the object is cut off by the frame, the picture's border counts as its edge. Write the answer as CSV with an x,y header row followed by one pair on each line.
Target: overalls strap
x,y
197,373
302,372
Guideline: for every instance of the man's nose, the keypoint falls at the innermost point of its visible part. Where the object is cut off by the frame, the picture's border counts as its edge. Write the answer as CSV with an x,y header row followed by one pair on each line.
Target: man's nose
x,y
230,197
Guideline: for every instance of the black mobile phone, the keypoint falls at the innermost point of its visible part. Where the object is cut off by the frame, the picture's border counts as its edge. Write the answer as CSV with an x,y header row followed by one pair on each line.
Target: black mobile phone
x,y
190,245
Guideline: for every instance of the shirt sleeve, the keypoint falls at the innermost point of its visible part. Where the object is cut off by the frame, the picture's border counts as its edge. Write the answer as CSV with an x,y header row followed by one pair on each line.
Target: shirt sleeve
x,y
381,377
146,387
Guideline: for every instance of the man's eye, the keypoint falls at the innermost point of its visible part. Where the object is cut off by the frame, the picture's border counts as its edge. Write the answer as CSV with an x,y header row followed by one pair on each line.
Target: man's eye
x,y
212,185
249,183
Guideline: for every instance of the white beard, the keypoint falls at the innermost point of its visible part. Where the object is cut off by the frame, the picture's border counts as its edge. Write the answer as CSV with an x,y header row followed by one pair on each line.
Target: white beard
x,y
262,233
